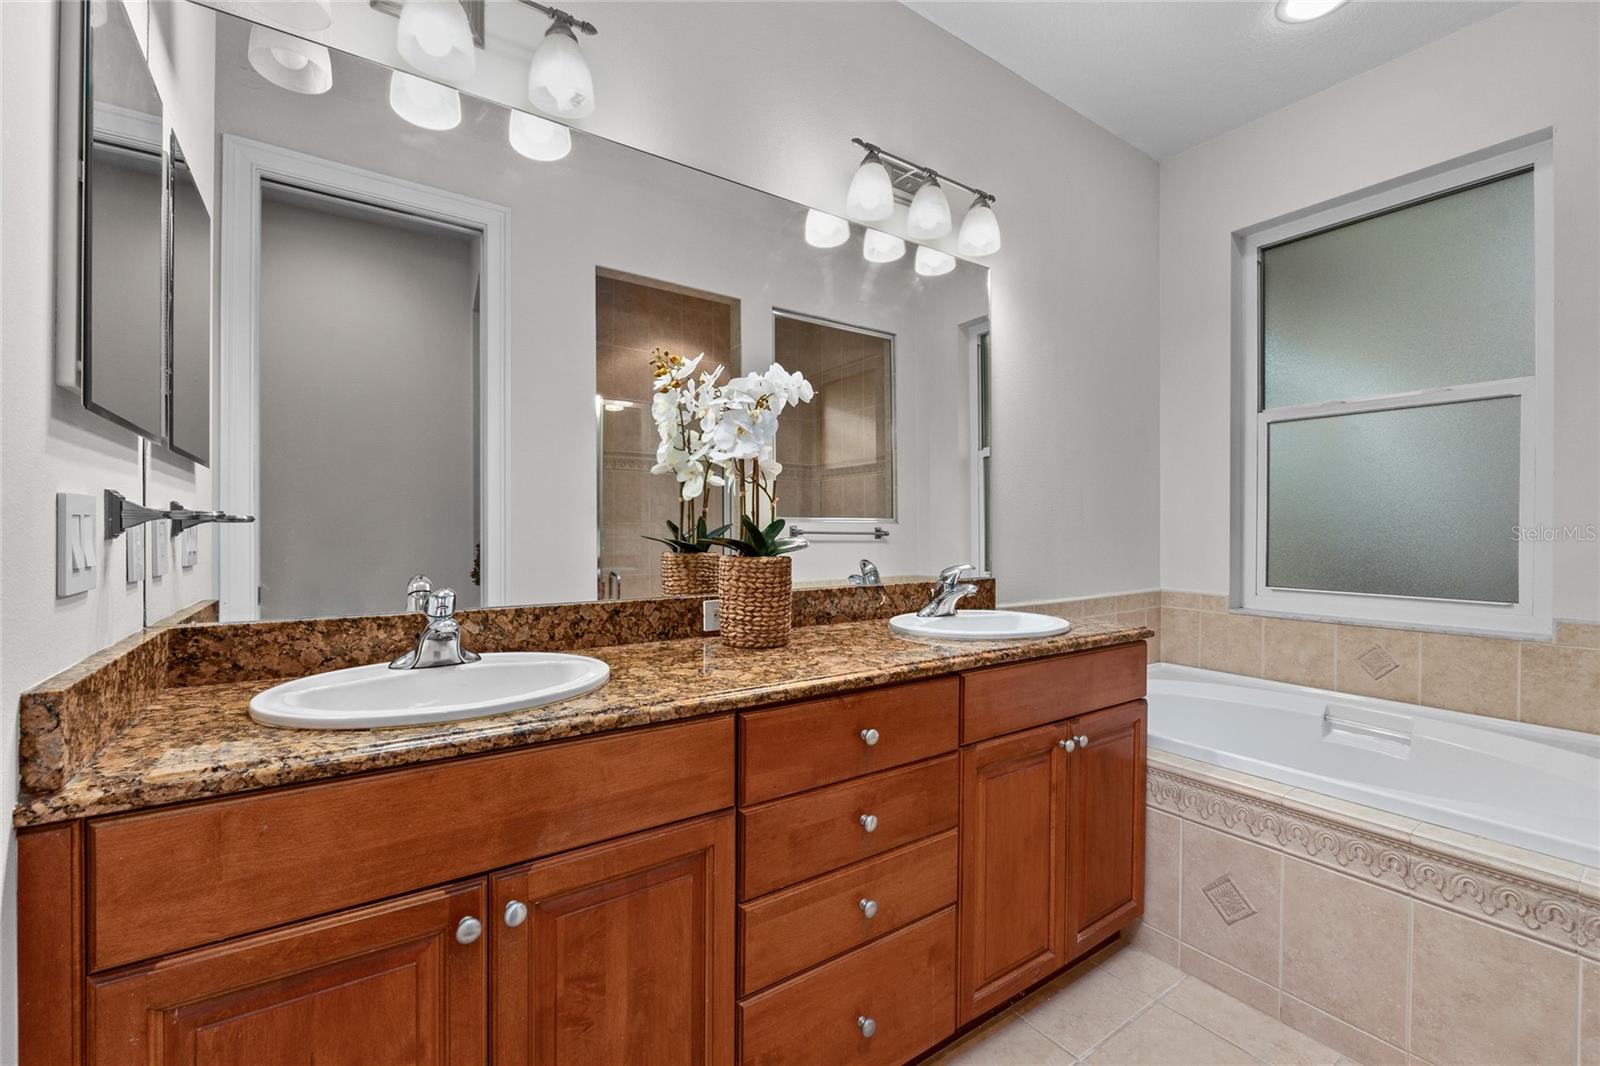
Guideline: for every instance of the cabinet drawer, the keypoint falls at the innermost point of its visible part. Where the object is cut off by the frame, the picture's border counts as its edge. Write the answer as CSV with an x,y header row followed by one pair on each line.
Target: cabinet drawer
x,y
789,840
1004,699
172,879
904,983
788,931
822,741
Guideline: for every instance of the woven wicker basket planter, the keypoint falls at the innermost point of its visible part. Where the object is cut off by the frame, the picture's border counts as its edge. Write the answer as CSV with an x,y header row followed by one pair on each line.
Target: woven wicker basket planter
x,y
689,573
757,600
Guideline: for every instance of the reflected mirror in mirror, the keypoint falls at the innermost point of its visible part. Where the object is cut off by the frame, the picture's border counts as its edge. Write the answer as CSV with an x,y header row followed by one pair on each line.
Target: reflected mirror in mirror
x,y
441,314
121,294
189,289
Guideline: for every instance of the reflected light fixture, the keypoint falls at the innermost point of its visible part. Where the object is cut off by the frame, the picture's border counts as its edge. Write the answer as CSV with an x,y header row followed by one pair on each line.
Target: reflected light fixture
x,y
539,138
871,195
980,230
1306,10
289,62
929,214
824,230
98,13
880,247
435,38
424,103
559,81
303,15
931,262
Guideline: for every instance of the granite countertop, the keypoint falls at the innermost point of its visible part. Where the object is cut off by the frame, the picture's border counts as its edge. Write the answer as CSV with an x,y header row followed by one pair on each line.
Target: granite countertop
x,y
198,741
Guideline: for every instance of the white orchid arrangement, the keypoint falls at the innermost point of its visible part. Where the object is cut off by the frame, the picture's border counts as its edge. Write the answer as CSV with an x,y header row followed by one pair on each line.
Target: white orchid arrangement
x,y
719,435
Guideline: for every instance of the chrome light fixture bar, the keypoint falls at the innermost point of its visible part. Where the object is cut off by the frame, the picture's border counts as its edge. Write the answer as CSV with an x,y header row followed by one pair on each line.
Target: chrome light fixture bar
x,y
871,198
907,176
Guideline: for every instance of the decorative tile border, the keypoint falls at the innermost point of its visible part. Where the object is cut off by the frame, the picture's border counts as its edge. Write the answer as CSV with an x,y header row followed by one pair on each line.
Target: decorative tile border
x,y
1555,913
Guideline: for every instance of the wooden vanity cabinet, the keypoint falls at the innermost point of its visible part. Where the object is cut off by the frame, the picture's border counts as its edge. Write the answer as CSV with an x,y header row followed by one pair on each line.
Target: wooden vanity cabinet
x,y
1105,824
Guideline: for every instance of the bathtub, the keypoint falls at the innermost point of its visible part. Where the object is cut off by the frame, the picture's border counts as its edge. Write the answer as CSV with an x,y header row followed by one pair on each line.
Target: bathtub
x,y
1525,785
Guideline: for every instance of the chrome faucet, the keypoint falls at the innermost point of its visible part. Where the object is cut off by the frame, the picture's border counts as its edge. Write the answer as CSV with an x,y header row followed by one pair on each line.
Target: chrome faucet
x,y
949,590
440,642
417,591
867,576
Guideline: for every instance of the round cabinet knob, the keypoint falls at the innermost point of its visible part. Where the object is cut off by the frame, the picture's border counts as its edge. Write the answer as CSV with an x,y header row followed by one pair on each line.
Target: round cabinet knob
x,y
869,737
869,822
468,930
516,913
869,907
866,1025
1069,745
1083,742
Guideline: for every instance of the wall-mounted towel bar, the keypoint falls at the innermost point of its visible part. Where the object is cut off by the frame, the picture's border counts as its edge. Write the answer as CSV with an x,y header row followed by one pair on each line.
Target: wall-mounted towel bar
x,y
876,533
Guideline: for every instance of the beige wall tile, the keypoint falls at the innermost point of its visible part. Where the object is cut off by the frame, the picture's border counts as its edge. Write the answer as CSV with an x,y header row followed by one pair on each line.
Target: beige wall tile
x,y
1231,643
1345,948
1230,899
1561,686
1180,636
1082,1008
1133,618
1484,995
1152,941
1189,601
1262,1035
1362,652
1162,1035
1300,653
1578,634
1589,1021
1162,861
1238,984
1345,1039
1138,601
1476,674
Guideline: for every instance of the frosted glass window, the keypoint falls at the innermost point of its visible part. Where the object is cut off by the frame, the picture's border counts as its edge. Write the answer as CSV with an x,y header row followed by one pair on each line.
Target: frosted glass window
x,y
1436,293
1414,502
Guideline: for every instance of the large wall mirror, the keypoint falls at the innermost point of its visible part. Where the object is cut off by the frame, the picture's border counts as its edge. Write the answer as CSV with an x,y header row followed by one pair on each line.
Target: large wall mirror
x,y
437,318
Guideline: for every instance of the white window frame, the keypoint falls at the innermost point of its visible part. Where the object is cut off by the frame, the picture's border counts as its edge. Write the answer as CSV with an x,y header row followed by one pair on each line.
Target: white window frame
x,y
1531,615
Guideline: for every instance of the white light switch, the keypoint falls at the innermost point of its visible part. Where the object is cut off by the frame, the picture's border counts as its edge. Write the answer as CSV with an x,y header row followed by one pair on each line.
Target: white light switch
x,y
135,538
189,552
77,543
160,547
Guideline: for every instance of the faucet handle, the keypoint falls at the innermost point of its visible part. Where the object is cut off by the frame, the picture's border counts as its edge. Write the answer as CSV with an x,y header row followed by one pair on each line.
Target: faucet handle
x,y
953,575
441,604
417,591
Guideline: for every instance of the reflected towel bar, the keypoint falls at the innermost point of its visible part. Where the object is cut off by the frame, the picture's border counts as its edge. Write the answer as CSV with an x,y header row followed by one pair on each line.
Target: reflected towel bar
x,y
876,533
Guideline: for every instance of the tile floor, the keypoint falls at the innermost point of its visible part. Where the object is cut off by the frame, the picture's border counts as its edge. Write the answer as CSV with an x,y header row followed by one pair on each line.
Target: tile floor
x,y
1126,1006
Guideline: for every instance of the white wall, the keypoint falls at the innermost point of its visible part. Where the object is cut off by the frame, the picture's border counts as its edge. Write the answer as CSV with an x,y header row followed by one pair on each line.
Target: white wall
x,y
1529,68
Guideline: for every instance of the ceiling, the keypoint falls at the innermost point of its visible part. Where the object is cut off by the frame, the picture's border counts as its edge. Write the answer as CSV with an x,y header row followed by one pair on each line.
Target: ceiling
x,y
1166,76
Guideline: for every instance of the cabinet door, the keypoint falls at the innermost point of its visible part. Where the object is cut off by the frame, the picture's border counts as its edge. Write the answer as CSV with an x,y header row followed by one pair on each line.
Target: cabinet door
x,y
621,953
391,983
1013,865
1105,889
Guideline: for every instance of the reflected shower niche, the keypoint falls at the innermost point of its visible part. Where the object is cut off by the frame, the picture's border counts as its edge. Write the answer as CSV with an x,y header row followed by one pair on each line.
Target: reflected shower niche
x,y
633,317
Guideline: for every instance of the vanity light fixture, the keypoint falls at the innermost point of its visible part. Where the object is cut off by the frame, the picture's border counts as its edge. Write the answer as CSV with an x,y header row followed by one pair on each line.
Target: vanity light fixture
x,y
424,103
931,262
928,216
302,15
980,230
539,138
880,247
435,38
871,195
824,230
289,62
1306,10
559,81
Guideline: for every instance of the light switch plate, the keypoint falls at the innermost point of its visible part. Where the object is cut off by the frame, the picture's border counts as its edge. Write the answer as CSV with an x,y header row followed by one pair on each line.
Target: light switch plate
x,y
711,615
77,543
160,547
189,548
135,538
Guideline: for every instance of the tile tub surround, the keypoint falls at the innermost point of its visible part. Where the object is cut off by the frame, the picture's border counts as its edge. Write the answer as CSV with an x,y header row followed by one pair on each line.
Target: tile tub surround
x,y
1356,926
67,719
197,741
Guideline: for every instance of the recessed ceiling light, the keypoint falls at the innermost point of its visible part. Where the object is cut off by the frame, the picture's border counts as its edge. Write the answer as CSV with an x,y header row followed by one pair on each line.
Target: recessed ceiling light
x,y
1306,10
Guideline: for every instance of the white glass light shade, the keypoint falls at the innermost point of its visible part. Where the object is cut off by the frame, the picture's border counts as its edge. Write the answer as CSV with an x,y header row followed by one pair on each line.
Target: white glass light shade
x,y
434,37
980,231
295,14
824,230
880,247
931,262
559,82
929,215
1306,10
290,63
539,138
871,195
424,103
98,13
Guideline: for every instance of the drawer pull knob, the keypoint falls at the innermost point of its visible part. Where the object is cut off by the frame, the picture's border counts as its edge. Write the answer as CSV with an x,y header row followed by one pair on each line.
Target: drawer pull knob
x,y
869,822
869,907
866,1025
1069,745
1083,741
516,913
468,930
869,737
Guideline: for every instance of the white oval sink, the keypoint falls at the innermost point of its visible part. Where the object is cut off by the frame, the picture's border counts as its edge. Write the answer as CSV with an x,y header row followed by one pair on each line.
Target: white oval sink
x,y
981,625
372,697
